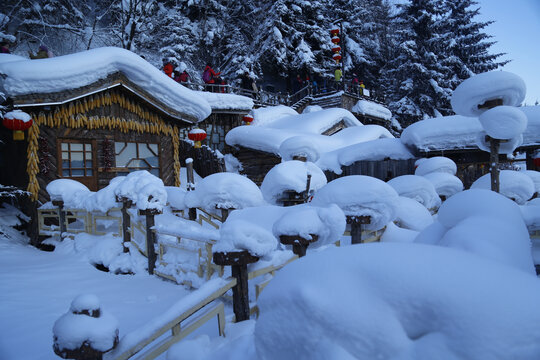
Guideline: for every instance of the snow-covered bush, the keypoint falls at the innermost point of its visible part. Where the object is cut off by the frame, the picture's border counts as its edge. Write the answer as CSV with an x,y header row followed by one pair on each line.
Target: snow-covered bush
x,y
484,223
360,195
515,185
85,331
291,175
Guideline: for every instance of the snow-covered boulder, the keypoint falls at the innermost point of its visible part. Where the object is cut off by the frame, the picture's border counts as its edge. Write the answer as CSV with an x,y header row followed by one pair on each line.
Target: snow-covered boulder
x,y
485,223
417,188
291,175
224,191
360,195
85,329
435,164
398,301
445,184
515,185
478,89
503,122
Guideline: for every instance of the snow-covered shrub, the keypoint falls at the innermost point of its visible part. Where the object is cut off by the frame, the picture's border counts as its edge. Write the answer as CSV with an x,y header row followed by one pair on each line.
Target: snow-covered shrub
x,y
291,175
515,185
485,223
360,195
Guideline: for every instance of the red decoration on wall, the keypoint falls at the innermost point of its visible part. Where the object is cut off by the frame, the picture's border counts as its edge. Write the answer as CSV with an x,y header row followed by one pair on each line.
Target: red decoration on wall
x,y
18,126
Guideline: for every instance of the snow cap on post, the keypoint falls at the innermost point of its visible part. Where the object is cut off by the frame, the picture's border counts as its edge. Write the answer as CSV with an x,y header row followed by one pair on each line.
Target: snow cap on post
x,y
503,122
501,87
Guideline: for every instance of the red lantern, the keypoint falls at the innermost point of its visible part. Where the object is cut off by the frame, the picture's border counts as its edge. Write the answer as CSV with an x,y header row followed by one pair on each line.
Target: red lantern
x,y
336,57
335,40
197,135
336,49
17,121
248,119
334,32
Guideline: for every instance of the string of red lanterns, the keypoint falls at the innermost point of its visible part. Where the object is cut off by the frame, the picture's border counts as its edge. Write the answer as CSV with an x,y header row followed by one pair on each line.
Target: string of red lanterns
x,y
336,49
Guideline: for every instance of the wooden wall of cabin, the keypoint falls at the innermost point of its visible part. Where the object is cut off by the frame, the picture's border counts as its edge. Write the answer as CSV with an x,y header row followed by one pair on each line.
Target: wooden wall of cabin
x,y
255,164
383,170
217,125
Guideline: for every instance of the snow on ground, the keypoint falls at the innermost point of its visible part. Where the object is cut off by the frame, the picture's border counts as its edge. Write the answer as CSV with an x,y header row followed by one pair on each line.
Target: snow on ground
x,y
81,69
38,287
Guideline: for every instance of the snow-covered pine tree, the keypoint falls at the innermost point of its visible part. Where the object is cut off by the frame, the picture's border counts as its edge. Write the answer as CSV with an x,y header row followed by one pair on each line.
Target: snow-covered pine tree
x,y
468,47
132,20
418,88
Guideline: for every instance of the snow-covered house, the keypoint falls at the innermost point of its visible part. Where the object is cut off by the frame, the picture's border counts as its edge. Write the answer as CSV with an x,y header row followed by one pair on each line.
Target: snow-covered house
x,y
456,137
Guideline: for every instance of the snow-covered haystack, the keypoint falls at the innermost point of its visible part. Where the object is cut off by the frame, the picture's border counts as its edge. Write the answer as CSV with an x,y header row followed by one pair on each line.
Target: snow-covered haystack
x,y
479,89
224,191
144,189
484,223
412,215
327,223
445,184
515,185
360,195
86,331
435,164
291,175
417,188
398,301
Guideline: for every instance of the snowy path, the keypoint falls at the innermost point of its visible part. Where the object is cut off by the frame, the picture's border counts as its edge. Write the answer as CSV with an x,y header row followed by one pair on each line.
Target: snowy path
x,y
37,287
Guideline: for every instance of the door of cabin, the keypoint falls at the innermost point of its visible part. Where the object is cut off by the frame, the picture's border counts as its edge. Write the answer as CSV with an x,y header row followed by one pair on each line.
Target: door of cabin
x,y
77,161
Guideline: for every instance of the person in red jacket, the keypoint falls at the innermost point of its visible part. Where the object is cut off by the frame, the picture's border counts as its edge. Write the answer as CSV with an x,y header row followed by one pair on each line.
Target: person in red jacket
x,y
168,69
210,76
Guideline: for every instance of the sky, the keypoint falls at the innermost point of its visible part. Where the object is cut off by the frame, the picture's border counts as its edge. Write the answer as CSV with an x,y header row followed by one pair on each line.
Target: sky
x,y
516,30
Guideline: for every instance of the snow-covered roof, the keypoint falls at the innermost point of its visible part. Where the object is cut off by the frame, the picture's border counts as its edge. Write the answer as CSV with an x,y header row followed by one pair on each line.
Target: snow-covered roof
x,y
224,102
369,108
460,132
94,71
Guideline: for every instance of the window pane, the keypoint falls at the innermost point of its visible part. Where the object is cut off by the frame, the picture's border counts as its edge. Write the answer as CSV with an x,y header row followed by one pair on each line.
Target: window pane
x,y
65,164
88,147
77,172
88,155
65,155
138,163
89,172
65,147
118,146
65,172
153,148
76,147
88,164
128,153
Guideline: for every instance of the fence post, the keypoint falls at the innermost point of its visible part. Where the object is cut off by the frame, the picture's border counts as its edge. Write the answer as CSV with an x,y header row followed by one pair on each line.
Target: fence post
x,y
356,227
299,244
192,212
238,261
126,221
150,238
61,216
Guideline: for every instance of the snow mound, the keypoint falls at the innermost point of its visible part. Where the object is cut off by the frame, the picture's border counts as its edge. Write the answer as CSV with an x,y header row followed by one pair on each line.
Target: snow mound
x,y
370,108
507,147
484,223
342,304
144,189
480,88
299,146
535,177
531,214
266,115
418,188
224,191
88,302
503,122
445,184
328,223
515,185
176,197
395,233
311,108
360,195
291,175
238,234
435,164
412,215
69,191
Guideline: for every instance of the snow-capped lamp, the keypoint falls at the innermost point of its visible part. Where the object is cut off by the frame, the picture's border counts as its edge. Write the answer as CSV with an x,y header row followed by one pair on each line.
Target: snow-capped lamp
x,y
197,135
334,32
335,40
248,119
18,121
337,58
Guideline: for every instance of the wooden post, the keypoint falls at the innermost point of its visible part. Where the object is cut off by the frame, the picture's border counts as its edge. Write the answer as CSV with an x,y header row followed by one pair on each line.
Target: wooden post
x,y
150,238
299,244
356,223
238,261
61,216
225,213
494,163
192,212
126,221
308,185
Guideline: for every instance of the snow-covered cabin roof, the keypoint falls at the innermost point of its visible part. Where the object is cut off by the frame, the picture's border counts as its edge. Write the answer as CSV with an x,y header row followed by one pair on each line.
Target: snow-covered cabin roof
x,y
269,136
227,103
370,108
460,132
65,78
